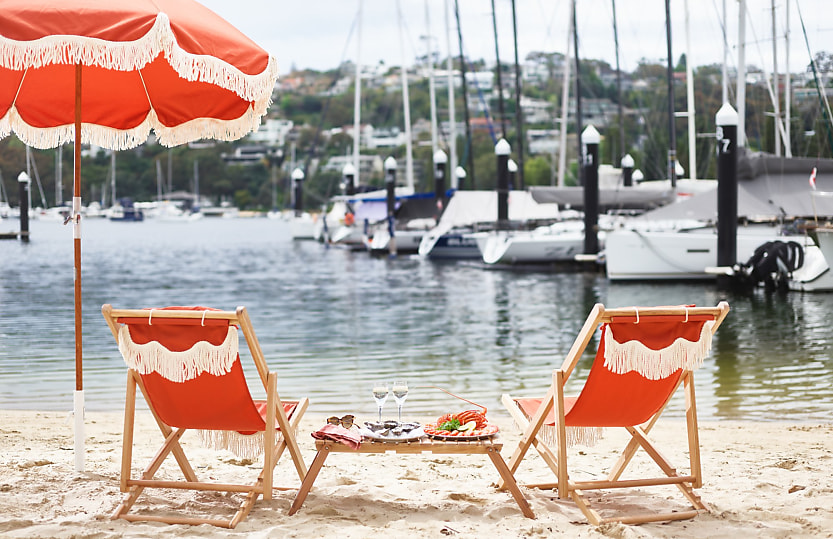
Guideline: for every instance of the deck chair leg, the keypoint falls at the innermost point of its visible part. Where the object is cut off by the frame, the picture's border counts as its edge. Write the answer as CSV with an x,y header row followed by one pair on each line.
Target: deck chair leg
x,y
543,449
281,446
560,433
178,452
532,429
633,444
583,504
666,467
129,425
309,479
508,479
693,431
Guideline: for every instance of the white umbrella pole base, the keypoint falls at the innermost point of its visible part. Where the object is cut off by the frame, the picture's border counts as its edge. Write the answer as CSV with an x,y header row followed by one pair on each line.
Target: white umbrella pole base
x,y
78,413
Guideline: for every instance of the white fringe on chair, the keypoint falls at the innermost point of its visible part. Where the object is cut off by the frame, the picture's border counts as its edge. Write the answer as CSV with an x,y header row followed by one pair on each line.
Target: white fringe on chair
x,y
657,364
244,446
586,436
179,366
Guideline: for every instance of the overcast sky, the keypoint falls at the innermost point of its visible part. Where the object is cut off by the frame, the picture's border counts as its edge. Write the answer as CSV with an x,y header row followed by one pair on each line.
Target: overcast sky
x,y
317,33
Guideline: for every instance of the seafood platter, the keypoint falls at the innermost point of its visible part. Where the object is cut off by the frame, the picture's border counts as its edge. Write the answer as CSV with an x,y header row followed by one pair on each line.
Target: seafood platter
x,y
463,426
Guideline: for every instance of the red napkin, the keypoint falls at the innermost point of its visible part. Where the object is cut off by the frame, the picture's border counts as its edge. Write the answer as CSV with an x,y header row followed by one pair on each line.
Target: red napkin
x,y
337,433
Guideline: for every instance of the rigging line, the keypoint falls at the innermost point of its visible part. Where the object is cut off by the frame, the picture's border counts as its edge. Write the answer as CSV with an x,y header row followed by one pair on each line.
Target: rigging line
x,y
822,95
769,87
325,108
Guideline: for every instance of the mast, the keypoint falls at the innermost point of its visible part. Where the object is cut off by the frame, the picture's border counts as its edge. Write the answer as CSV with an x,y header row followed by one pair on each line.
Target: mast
x,y
617,157
579,170
565,102
776,101
158,181
499,78
406,104
672,135
452,116
59,176
689,86
432,95
787,82
725,57
741,82
519,130
113,176
465,95
357,100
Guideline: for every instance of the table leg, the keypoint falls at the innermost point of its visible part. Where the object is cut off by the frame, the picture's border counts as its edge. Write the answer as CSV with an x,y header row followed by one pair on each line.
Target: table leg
x,y
309,479
509,482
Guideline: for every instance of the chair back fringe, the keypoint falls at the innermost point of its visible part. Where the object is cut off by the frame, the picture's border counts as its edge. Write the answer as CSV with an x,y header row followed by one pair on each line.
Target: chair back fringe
x,y
657,364
179,366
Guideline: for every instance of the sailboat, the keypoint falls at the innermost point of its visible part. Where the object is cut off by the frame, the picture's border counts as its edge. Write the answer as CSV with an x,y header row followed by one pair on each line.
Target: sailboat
x,y
122,208
680,241
363,218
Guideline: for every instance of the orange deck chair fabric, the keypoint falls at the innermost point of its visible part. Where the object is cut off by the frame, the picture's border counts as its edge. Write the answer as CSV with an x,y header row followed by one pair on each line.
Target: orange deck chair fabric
x,y
186,364
644,354
637,366
195,380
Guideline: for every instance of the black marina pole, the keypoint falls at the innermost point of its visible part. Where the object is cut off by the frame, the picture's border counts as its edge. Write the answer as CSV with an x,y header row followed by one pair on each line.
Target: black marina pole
x,y
627,170
440,165
502,150
298,188
24,182
390,186
590,139
460,172
349,175
727,188
512,167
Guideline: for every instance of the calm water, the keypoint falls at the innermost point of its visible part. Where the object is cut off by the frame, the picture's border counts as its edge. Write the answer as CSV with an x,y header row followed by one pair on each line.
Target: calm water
x,y
332,321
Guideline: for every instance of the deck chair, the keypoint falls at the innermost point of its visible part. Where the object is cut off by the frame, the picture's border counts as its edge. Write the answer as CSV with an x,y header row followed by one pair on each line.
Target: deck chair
x,y
645,354
185,362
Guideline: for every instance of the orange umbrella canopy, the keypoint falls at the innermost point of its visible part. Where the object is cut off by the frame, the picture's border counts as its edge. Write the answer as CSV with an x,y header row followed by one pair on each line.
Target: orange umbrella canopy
x,y
171,66
107,72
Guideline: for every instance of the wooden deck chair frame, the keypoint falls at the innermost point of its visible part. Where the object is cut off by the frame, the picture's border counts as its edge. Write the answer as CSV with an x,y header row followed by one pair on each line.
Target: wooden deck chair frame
x,y
275,413
557,459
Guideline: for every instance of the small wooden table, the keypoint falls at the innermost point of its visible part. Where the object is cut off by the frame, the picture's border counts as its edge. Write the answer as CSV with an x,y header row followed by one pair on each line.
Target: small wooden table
x,y
490,447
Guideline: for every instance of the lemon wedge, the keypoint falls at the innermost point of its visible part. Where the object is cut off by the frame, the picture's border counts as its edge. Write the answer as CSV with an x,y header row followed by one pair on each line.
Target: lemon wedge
x,y
471,425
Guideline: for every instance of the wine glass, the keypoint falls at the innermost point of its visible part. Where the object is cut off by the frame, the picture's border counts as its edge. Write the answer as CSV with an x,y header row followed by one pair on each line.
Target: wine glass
x,y
400,393
380,393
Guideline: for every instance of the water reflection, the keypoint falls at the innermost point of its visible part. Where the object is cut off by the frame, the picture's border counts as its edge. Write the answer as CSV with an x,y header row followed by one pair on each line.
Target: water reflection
x,y
330,320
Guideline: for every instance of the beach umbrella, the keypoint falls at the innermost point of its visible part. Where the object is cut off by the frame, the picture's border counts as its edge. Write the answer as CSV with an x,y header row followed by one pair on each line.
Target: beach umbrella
x,y
108,72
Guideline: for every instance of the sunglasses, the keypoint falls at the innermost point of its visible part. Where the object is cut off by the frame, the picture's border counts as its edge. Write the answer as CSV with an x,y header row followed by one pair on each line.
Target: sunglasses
x,y
346,421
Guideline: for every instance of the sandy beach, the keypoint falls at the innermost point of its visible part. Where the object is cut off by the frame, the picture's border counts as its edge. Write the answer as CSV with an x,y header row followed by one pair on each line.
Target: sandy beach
x,y
761,479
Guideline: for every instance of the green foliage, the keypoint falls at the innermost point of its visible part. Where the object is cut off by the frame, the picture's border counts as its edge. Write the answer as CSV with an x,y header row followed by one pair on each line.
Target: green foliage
x,y
312,106
538,171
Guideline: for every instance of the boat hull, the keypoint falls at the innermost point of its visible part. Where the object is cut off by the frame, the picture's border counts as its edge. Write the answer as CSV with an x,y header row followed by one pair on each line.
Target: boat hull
x,y
632,254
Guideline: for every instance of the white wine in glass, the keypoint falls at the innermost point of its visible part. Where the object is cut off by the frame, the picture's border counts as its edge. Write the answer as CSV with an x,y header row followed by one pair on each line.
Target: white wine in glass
x,y
380,393
400,393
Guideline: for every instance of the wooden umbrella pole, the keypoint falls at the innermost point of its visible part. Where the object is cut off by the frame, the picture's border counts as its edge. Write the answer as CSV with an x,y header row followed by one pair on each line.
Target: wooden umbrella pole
x,y
78,408
76,214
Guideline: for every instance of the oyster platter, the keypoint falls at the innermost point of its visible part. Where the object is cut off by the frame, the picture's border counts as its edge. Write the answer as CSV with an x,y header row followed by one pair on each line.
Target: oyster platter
x,y
392,431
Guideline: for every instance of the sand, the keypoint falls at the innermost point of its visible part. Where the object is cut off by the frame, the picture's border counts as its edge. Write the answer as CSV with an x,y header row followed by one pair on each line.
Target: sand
x,y
761,480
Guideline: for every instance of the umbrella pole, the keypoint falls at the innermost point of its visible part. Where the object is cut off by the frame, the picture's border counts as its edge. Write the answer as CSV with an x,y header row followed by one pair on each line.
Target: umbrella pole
x,y
78,400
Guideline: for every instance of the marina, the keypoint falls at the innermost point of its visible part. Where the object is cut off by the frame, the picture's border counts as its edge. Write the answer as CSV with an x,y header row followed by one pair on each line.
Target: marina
x,y
330,321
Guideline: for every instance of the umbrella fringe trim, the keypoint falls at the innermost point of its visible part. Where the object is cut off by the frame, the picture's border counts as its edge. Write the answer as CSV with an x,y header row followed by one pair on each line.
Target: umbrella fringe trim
x,y
133,55
124,139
